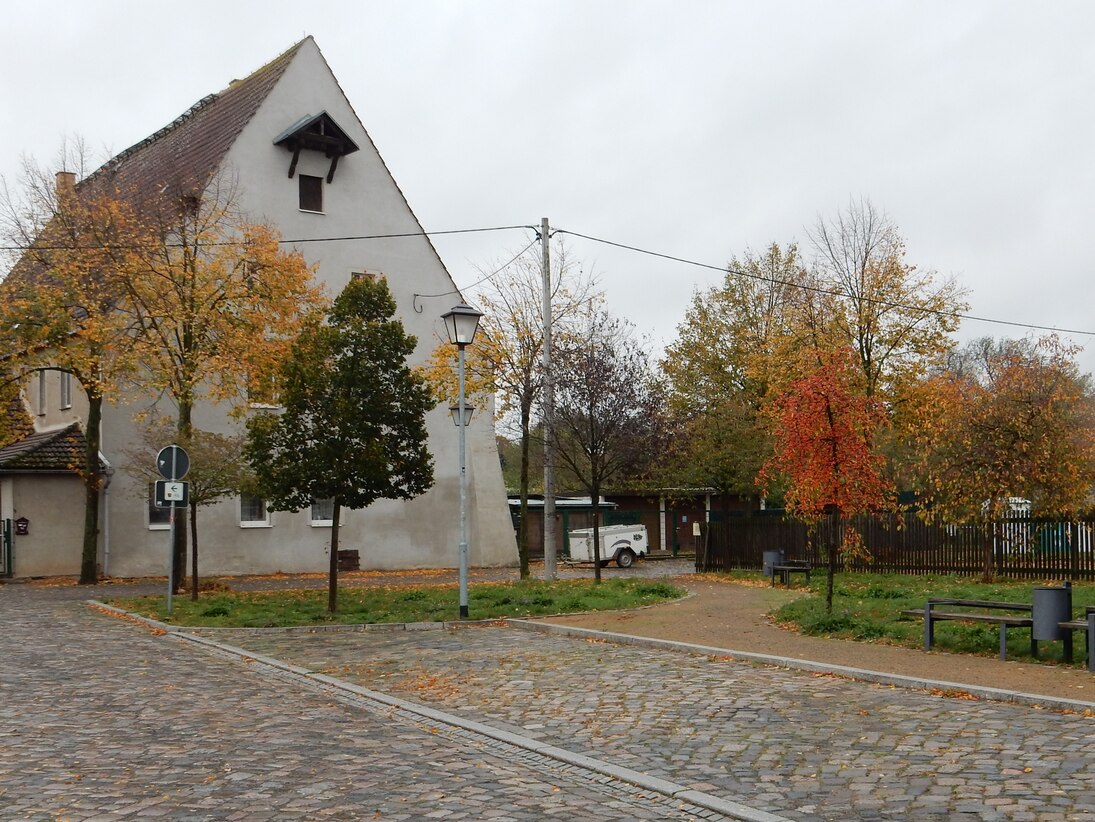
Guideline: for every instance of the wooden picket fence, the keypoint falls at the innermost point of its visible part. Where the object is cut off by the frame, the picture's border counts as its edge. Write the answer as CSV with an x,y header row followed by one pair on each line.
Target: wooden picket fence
x,y
1022,548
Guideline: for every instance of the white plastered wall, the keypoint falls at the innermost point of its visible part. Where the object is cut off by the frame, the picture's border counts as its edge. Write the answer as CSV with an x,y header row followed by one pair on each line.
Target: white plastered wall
x,y
363,199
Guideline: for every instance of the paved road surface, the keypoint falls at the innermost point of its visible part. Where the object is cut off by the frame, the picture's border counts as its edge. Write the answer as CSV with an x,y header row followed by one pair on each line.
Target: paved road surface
x,y
793,743
102,720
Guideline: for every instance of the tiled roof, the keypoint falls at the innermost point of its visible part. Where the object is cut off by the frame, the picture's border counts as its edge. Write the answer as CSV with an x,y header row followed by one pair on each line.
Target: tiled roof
x,y
61,450
185,153
182,157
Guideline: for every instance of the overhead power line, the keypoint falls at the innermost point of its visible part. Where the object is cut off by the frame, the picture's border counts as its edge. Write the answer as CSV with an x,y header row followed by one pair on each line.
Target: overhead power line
x,y
495,273
298,241
821,290
635,249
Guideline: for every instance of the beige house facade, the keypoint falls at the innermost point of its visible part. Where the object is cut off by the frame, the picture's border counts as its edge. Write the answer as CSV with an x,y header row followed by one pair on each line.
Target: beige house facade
x,y
299,159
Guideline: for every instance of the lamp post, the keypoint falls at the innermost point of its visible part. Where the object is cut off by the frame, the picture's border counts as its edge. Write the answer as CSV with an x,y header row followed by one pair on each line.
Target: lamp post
x,y
461,323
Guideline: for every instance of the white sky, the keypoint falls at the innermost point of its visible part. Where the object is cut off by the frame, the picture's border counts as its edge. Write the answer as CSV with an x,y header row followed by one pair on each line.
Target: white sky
x,y
697,129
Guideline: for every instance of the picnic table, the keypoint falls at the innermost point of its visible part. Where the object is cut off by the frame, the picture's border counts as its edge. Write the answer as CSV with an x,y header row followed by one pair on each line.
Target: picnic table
x,y
788,567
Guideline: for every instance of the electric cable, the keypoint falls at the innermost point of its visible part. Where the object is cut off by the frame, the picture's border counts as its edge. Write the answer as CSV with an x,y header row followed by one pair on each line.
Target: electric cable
x,y
820,290
500,269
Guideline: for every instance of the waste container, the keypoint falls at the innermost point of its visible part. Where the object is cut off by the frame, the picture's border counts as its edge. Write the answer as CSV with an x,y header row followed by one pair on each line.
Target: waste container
x,y
770,559
1050,606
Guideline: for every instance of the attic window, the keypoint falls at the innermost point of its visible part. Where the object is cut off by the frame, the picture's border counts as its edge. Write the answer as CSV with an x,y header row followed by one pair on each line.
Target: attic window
x,y
316,133
311,193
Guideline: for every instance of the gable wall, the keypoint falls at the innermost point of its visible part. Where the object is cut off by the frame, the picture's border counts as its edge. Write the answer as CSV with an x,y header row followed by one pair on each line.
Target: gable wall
x,y
362,200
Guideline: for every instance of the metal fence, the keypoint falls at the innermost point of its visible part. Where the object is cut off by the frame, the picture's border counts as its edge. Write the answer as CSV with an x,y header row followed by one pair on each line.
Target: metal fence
x,y
1021,547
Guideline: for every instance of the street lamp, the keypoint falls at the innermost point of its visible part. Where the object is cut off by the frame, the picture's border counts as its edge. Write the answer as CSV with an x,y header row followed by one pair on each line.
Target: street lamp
x,y
469,412
461,323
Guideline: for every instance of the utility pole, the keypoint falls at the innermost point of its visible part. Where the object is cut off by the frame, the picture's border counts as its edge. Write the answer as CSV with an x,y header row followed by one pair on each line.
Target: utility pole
x,y
549,410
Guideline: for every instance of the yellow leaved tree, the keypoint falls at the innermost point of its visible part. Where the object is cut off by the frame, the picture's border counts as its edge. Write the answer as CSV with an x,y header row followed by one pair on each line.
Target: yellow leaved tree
x,y
505,361
1003,420
60,301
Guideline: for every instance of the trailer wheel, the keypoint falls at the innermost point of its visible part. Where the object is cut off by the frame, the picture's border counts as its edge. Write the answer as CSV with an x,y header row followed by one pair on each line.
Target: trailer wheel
x,y
626,558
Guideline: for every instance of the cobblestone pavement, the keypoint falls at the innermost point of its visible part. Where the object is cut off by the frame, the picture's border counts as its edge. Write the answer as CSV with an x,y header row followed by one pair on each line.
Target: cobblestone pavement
x,y
101,719
801,745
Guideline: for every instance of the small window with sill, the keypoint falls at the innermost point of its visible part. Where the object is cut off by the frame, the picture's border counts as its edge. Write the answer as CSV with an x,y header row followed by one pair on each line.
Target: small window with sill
x,y
253,513
66,390
262,391
40,409
322,513
311,193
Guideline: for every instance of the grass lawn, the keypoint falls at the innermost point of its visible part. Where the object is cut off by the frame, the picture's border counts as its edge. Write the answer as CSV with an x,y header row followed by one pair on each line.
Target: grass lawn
x,y
868,607
399,603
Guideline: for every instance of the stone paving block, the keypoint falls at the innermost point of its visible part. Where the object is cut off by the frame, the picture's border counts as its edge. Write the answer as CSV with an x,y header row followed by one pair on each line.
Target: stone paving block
x,y
104,719
867,751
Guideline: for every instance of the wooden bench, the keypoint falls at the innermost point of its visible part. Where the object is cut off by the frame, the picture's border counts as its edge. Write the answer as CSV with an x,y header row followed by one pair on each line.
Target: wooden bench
x,y
1086,624
930,616
792,566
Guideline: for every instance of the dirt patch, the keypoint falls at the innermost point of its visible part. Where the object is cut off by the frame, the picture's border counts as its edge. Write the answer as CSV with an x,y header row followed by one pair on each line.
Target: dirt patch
x,y
735,617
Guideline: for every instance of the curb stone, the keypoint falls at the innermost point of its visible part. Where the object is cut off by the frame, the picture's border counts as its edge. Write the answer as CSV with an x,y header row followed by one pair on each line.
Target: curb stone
x,y
861,674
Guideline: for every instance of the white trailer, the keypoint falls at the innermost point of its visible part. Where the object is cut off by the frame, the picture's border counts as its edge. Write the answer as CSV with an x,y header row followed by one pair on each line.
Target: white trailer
x,y
619,543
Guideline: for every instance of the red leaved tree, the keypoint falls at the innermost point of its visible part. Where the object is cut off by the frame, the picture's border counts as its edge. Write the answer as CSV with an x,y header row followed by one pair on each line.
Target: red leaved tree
x,y
824,428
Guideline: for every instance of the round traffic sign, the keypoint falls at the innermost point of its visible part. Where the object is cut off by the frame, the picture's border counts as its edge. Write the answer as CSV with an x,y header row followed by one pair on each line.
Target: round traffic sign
x,y
173,462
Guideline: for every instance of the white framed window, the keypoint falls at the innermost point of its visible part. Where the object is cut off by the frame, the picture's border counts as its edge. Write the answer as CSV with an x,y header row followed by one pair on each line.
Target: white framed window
x,y
159,519
253,513
311,193
66,390
262,392
322,513
40,409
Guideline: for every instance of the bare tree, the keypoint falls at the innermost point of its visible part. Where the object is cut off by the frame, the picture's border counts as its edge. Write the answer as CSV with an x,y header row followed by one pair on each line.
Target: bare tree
x,y
896,317
505,361
609,409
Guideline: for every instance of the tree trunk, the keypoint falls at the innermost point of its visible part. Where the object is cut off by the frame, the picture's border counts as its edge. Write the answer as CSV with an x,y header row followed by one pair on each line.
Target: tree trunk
x,y
522,525
194,551
332,576
93,480
988,569
596,534
178,553
831,572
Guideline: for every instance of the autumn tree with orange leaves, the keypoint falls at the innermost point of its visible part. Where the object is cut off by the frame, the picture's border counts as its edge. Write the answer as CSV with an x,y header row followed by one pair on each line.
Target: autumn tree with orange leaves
x,y
824,428
1004,419
214,303
176,294
61,300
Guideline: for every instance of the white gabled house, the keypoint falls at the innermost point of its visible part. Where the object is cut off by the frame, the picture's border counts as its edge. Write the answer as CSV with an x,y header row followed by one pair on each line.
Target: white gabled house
x,y
301,160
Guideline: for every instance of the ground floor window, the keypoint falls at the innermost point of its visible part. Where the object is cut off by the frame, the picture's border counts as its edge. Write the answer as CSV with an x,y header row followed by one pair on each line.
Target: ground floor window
x,y
157,517
253,513
323,511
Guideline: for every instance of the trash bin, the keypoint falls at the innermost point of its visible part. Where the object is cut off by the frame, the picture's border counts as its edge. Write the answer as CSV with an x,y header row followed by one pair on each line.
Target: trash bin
x,y
1050,606
772,558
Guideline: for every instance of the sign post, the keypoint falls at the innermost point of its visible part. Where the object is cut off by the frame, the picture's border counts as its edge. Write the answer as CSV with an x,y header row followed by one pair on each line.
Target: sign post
x,y
173,463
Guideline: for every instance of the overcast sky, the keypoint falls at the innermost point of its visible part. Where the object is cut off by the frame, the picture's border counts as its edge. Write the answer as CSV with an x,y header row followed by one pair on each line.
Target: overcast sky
x,y
695,129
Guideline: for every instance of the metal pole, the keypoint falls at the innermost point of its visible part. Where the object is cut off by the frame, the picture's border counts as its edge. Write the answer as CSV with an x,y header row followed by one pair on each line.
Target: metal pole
x,y
171,562
463,497
549,409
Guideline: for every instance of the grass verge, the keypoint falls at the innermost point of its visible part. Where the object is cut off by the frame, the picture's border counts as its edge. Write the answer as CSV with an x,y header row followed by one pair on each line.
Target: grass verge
x,y
418,603
868,607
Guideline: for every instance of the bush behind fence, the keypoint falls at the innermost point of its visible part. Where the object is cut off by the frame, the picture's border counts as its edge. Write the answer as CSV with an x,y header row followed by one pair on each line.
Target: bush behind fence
x,y
907,544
